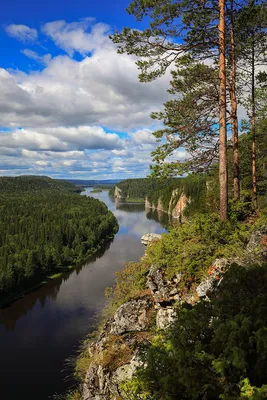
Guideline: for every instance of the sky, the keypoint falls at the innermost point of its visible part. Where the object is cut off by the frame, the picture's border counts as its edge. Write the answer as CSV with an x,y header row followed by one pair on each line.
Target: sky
x,y
70,105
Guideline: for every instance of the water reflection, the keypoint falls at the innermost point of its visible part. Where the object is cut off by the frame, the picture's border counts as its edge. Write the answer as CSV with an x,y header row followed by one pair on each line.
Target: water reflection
x,y
10,314
130,207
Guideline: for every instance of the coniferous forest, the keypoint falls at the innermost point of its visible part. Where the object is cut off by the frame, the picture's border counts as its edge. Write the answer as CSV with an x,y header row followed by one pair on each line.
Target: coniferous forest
x,y
45,228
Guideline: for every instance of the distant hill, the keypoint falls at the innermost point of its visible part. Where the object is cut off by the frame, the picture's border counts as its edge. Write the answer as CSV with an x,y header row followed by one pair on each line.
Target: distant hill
x,y
30,183
92,182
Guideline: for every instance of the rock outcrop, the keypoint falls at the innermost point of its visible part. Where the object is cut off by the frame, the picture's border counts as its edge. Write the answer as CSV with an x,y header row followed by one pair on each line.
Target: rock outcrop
x,y
117,193
149,238
176,206
115,354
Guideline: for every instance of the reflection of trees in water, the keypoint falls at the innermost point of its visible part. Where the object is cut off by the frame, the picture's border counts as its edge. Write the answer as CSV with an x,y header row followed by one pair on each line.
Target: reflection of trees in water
x,y
10,315
163,218
131,207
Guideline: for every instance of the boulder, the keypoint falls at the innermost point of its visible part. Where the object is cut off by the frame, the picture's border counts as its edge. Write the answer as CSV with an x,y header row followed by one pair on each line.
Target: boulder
x,y
257,245
214,277
149,238
131,316
165,317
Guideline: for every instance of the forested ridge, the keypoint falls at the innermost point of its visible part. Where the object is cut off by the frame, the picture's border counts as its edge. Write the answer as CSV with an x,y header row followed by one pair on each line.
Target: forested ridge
x,y
35,183
139,188
46,228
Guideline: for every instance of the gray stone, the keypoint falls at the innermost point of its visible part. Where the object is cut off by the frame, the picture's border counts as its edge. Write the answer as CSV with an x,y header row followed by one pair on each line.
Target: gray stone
x,y
257,245
213,279
131,316
165,317
157,284
149,238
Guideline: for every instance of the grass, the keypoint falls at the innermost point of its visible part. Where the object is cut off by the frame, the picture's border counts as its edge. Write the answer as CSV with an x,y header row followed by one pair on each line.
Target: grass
x,y
96,191
134,200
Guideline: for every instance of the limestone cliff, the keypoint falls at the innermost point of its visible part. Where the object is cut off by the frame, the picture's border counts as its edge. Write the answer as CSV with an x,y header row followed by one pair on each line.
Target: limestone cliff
x,y
176,206
117,193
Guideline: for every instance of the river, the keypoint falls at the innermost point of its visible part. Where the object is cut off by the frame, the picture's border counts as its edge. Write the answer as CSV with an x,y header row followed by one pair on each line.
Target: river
x,y
44,328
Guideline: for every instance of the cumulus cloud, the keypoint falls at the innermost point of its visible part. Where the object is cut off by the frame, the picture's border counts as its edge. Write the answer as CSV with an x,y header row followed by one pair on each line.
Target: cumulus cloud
x,y
22,32
144,136
103,88
35,56
60,139
60,117
75,36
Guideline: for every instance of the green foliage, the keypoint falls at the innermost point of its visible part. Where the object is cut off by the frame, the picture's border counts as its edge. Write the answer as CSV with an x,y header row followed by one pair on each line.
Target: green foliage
x,y
190,120
191,247
215,349
138,188
27,183
240,210
193,186
46,230
130,283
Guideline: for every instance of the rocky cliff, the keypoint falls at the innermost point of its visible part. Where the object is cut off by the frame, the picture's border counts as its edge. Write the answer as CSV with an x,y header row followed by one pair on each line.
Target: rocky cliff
x,y
176,206
115,355
117,193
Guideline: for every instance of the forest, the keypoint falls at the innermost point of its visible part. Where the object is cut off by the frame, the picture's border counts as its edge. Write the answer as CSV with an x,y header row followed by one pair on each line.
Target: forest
x,y
46,228
139,188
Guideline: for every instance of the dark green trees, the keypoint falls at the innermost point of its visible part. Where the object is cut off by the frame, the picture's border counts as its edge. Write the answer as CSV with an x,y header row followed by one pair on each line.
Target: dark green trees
x,y
46,230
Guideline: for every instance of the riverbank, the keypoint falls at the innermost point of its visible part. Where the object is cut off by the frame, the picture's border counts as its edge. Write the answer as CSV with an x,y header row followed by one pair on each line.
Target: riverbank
x,y
55,274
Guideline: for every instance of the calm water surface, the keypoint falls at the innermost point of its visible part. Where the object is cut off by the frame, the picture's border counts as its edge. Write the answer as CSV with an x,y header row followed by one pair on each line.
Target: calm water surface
x,y
39,332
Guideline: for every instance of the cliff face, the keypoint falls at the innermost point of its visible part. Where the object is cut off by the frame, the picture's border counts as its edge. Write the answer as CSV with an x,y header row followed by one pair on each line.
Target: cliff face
x,y
176,206
115,355
117,193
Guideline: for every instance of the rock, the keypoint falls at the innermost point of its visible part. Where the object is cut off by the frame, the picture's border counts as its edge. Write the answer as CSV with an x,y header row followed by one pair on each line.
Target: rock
x,y
257,245
96,383
117,193
131,316
165,317
176,208
149,238
176,205
101,384
156,283
214,277
127,371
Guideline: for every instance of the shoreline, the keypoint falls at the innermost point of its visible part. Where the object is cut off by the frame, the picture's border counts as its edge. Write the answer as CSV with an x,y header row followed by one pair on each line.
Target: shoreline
x,y
54,275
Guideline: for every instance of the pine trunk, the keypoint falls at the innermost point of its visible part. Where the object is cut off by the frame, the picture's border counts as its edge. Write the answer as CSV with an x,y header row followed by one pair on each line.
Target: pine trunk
x,y
234,119
253,131
222,116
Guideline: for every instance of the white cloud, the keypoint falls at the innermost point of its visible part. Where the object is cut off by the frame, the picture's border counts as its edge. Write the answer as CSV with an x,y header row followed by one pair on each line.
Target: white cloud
x,y
75,36
35,56
103,88
22,32
144,136
60,139
63,108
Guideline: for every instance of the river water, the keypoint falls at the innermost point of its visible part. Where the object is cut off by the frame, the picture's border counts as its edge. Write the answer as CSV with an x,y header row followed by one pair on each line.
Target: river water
x,y
44,328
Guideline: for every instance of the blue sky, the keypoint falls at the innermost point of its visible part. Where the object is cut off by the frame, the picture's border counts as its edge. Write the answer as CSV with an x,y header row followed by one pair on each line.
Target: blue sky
x,y
70,106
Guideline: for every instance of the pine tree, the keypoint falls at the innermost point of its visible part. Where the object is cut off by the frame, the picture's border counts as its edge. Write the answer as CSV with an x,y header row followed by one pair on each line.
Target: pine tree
x,y
252,23
176,28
